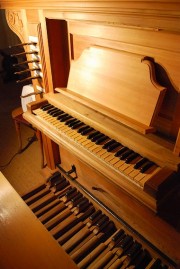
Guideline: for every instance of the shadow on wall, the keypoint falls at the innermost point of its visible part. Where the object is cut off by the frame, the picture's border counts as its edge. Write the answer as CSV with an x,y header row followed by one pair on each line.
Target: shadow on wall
x,y
8,37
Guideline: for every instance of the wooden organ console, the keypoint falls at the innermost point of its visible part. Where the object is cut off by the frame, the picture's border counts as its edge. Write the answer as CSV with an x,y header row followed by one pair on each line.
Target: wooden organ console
x,y
108,116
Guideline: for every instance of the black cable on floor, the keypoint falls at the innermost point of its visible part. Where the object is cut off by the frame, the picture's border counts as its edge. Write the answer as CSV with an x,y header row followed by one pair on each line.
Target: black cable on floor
x,y
31,140
4,166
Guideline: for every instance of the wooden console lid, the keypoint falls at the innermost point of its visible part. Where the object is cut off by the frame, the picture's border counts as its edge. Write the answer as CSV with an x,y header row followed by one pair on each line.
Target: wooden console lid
x,y
25,243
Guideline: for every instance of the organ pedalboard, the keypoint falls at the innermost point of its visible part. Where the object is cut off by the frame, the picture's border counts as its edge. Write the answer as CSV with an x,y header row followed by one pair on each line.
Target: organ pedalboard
x,y
85,231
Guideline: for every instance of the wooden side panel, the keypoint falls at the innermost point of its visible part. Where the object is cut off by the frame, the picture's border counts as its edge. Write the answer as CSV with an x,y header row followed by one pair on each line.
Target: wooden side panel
x,y
59,51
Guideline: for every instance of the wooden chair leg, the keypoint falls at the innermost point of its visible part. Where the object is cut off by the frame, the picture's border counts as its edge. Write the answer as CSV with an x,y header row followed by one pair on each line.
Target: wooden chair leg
x,y
18,131
39,136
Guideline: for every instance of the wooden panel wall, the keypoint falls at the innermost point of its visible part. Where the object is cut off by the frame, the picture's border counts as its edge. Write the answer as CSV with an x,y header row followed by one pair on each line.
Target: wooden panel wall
x,y
150,28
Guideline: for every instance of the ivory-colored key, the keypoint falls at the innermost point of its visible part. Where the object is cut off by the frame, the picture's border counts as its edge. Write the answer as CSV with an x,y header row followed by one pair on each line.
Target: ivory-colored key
x,y
134,173
37,196
65,237
101,152
105,155
94,147
109,158
46,208
41,202
86,142
114,161
91,242
147,174
86,238
117,263
52,212
58,218
76,136
76,238
74,226
130,168
96,150
81,139
89,145
118,164
98,251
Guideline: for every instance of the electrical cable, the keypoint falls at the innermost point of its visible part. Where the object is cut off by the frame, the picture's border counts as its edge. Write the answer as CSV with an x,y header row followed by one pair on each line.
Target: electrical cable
x,y
30,141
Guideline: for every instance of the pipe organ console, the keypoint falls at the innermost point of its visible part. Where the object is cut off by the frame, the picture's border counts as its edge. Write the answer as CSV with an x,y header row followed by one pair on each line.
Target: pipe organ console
x,y
109,123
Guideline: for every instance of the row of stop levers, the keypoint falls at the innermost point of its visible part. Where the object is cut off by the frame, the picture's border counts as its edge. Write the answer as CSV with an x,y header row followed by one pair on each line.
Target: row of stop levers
x,y
139,169
87,234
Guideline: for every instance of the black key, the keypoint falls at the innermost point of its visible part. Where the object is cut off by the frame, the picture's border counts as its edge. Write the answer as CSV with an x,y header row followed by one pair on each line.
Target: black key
x,y
146,166
55,112
142,260
126,242
134,249
47,107
51,110
131,157
60,186
125,154
43,106
93,134
156,264
121,151
102,139
61,116
66,117
112,141
140,163
68,122
90,129
73,122
77,199
83,128
113,146
103,219
118,235
77,125
95,215
54,178
94,138
70,191
58,113
82,205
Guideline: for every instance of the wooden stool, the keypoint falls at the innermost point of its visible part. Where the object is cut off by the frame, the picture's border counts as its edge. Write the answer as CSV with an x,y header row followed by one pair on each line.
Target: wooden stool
x,y
17,115
18,120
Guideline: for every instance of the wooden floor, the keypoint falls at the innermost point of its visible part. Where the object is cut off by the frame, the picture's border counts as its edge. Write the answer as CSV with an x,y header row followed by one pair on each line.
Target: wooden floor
x,y
23,170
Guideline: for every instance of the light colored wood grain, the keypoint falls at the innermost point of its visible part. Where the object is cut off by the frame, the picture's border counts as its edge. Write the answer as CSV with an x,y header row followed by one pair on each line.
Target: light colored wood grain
x,y
129,87
25,243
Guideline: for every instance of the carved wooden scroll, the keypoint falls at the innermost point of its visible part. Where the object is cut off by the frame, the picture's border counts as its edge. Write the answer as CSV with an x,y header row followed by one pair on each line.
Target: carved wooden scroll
x,y
14,20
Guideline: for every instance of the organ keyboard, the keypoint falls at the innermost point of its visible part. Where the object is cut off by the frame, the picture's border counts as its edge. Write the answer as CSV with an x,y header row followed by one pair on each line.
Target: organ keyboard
x,y
144,176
